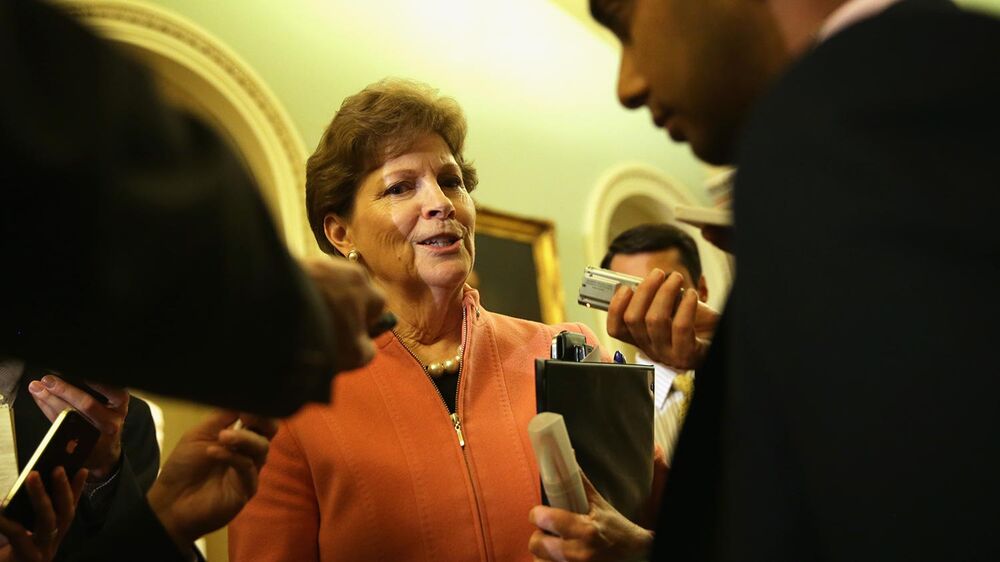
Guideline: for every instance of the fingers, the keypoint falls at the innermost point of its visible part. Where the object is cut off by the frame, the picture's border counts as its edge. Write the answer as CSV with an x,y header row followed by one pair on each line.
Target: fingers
x,y
385,322
50,404
46,523
616,314
354,305
249,439
258,424
364,354
683,335
213,423
588,488
245,443
706,319
635,314
18,538
109,421
546,547
65,495
117,397
573,543
645,318
659,317
560,522
245,469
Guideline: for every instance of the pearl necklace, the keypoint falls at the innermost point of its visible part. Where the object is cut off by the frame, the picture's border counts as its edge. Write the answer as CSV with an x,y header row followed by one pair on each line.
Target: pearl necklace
x,y
450,365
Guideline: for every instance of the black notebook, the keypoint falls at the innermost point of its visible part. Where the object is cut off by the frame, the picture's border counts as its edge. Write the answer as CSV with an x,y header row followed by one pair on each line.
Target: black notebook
x,y
608,408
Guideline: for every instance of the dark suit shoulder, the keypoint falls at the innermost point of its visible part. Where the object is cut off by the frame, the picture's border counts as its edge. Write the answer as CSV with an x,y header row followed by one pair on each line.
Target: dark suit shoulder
x,y
916,86
865,182
130,530
915,55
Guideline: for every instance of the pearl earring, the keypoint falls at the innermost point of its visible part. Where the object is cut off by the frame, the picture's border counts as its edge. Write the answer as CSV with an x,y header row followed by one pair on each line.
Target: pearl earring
x,y
353,256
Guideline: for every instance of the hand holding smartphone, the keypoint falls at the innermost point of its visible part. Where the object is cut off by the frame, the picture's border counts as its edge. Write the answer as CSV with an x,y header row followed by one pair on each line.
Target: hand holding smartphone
x,y
68,444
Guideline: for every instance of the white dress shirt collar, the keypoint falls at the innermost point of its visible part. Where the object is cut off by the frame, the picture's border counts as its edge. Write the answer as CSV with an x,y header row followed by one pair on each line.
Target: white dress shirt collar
x,y
664,377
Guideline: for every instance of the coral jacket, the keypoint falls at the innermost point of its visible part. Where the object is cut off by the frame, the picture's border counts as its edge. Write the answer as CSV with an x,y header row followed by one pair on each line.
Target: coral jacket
x,y
380,474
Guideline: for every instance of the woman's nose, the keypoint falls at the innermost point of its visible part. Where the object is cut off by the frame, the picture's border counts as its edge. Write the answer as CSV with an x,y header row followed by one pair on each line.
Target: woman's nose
x,y
436,204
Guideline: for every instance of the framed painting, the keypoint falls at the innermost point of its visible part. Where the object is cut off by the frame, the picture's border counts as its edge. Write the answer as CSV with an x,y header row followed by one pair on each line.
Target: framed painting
x,y
517,270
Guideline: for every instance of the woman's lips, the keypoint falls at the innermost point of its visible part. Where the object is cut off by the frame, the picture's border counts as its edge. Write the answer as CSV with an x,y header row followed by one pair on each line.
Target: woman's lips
x,y
436,248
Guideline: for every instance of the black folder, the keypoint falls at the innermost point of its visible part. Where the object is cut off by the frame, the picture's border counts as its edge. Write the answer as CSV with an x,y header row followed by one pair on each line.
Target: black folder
x,y
608,408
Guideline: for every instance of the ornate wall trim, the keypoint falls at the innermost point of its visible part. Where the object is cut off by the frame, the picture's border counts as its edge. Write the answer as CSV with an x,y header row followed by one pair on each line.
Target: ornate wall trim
x,y
206,73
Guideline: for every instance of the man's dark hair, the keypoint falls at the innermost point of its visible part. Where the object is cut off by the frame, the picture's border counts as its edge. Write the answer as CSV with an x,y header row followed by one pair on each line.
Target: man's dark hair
x,y
655,238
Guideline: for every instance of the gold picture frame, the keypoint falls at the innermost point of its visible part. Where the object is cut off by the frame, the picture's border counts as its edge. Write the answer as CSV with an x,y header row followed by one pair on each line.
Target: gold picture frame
x,y
514,254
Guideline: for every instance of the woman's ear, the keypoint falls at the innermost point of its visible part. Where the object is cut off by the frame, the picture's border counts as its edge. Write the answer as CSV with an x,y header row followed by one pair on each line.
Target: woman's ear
x,y
338,233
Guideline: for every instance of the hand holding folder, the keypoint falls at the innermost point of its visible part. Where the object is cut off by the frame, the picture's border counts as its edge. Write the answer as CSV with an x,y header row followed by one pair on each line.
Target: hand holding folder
x,y
608,411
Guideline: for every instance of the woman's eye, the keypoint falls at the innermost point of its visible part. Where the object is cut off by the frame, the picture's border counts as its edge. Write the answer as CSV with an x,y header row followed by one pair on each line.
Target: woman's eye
x,y
451,181
397,188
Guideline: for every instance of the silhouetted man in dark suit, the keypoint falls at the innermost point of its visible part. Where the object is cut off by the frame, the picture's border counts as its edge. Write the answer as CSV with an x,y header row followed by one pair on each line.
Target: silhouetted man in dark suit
x,y
136,251
846,408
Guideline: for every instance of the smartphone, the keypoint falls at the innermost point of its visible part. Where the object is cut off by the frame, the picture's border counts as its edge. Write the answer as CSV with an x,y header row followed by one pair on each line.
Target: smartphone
x,y
68,444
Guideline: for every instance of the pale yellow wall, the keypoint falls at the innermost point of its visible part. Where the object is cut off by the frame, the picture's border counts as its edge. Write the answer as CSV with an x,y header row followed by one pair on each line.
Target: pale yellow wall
x,y
991,6
537,88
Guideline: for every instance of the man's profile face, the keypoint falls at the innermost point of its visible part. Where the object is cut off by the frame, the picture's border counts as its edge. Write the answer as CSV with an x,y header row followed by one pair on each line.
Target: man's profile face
x,y
698,65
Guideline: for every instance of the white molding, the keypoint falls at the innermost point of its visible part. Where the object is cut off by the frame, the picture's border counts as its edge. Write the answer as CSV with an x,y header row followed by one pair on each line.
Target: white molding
x,y
192,59
621,183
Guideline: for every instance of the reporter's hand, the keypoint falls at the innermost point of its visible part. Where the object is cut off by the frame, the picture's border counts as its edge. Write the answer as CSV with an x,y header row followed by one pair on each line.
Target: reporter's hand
x,y
210,475
603,534
668,327
52,519
53,395
355,305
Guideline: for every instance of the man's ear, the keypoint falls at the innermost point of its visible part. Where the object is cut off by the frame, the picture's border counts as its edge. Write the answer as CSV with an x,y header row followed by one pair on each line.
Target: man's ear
x,y
338,233
702,289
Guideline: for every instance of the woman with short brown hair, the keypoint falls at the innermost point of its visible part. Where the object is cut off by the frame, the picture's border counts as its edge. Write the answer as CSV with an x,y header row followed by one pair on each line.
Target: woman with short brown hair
x,y
424,454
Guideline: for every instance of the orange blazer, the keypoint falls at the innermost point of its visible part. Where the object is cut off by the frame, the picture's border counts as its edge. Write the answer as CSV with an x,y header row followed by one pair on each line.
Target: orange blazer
x,y
380,474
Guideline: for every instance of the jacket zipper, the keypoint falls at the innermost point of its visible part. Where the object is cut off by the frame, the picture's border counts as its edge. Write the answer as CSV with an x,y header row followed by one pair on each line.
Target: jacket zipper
x,y
456,420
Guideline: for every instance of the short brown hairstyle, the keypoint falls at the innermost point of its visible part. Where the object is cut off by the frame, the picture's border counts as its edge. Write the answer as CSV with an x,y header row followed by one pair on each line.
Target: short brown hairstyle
x,y
380,122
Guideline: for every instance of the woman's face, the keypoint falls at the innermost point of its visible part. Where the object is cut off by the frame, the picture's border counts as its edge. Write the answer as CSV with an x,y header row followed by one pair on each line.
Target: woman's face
x,y
413,219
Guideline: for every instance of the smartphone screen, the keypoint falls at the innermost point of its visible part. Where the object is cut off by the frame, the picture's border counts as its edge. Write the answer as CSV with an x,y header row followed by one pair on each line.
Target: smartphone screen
x,y
68,443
